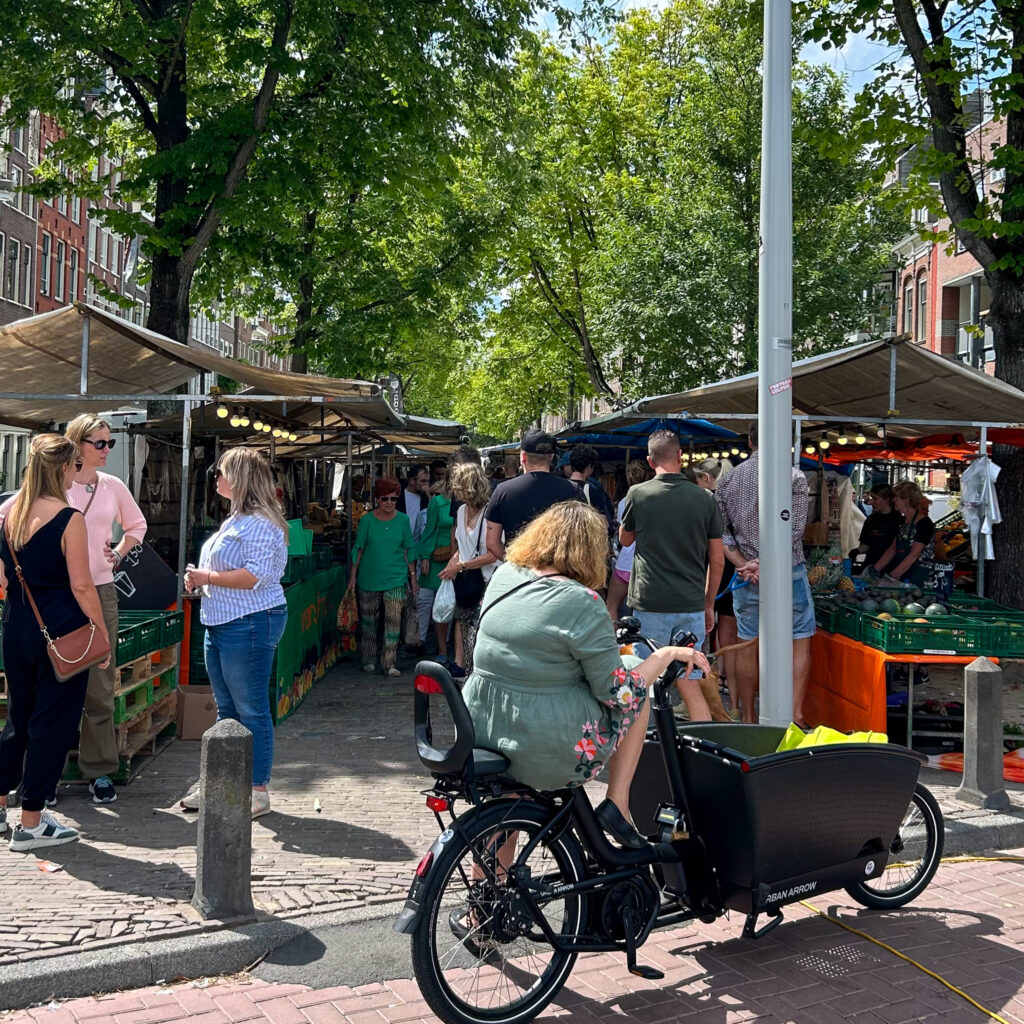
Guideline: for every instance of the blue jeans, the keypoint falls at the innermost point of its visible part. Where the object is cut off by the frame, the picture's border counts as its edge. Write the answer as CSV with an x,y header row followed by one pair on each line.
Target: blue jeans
x,y
661,626
239,655
746,602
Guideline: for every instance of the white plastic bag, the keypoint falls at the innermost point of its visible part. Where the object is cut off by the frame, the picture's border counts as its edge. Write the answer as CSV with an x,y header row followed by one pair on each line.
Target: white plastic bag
x,y
444,603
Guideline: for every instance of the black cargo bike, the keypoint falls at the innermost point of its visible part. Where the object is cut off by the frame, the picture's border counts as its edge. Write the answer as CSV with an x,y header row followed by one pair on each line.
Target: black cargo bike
x,y
522,882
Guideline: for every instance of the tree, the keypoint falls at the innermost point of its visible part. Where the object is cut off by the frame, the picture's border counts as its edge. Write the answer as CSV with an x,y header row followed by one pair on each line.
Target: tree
x,y
628,250
194,97
942,52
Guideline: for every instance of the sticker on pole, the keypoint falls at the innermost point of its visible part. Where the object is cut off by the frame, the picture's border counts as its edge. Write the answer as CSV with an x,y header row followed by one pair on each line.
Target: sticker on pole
x,y
783,385
786,343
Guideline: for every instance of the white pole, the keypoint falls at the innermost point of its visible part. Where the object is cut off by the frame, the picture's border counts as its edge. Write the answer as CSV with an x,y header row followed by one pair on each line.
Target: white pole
x,y
775,357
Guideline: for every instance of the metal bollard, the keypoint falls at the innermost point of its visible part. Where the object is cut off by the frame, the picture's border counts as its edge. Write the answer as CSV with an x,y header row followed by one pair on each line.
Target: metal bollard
x,y
982,784
224,843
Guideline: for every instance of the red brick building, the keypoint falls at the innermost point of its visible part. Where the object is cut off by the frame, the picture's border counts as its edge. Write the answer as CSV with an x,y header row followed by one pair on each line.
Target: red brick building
x,y
942,296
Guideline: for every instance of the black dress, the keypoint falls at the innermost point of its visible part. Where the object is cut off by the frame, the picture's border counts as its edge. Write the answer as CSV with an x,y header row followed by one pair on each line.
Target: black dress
x,y
38,703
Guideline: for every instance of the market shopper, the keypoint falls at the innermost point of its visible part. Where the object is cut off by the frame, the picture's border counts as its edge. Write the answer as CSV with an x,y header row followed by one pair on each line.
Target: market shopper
x,y
737,497
471,564
881,526
516,502
910,557
47,539
243,609
678,559
434,552
637,471
384,566
583,461
104,500
415,498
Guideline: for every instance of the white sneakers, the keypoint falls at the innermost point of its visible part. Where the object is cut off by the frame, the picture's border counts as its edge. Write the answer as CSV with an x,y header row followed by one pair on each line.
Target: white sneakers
x,y
260,801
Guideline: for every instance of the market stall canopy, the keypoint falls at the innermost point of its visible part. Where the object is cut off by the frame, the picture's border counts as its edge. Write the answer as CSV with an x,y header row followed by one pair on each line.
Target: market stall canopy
x,y
41,358
853,384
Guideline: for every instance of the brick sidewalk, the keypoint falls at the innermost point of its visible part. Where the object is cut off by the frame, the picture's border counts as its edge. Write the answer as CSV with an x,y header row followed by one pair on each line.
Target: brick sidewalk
x,y
968,927
349,746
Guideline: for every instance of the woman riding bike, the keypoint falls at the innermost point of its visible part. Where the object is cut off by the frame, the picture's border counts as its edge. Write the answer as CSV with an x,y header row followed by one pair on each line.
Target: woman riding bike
x,y
549,689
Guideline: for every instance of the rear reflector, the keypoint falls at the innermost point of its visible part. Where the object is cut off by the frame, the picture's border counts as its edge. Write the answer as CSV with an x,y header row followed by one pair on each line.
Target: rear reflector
x,y
424,865
427,684
438,803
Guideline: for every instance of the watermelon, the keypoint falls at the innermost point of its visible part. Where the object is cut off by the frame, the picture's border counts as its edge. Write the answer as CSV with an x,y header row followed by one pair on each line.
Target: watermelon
x,y
890,605
935,611
869,607
913,609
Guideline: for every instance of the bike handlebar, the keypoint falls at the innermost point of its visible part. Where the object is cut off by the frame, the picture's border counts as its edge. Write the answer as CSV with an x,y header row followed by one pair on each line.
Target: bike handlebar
x,y
627,630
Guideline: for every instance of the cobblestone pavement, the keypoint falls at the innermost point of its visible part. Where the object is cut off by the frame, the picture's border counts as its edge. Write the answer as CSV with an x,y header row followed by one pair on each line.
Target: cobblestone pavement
x,y
968,928
349,746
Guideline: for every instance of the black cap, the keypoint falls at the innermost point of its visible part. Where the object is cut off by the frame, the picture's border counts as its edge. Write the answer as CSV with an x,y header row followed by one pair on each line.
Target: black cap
x,y
536,442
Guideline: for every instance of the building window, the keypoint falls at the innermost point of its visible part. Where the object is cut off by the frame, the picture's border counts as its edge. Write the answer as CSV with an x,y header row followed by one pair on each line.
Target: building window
x,y
16,199
44,266
12,271
18,139
58,272
76,209
104,244
73,282
93,232
26,275
922,309
62,205
908,307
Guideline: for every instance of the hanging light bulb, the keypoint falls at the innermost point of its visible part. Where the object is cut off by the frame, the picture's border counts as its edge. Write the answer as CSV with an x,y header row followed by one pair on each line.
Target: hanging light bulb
x,y
715,455
267,428
277,431
244,417
222,411
257,425
293,437
809,449
735,451
824,443
860,438
744,455
235,421
842,439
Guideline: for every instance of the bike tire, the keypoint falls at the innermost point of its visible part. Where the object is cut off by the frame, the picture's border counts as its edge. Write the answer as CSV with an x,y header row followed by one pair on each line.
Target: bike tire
x,y
452,988
922,825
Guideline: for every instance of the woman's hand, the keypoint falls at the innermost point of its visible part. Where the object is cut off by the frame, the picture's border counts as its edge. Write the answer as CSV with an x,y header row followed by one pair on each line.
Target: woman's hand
x,y
110,554
692,658
196,578
451,570
425,566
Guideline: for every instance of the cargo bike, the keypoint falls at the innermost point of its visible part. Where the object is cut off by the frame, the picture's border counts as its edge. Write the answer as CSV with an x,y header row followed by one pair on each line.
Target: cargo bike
x,y
522,882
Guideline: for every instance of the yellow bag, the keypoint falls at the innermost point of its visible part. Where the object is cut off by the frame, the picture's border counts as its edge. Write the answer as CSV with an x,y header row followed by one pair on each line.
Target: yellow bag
x,y
797,739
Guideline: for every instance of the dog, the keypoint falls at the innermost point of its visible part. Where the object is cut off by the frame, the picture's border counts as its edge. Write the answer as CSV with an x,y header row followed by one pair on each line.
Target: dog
x,y
710,685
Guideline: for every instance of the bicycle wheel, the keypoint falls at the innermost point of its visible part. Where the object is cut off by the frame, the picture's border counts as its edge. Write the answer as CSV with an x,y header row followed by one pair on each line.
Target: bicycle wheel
x,y
477,954
914,857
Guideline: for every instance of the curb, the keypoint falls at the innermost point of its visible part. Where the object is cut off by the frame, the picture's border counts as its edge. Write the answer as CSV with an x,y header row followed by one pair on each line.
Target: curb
x,y
225,947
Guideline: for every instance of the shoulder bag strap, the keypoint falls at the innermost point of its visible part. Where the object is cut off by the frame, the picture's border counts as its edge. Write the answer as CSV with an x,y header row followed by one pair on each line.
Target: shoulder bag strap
x,y
23,581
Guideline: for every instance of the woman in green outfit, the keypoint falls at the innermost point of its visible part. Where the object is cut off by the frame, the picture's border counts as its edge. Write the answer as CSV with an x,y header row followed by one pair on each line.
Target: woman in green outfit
x,y
437,536
549,689
384,565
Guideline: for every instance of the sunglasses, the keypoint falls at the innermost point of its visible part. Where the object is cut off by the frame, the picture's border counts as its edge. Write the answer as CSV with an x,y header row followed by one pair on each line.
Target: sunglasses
x,y
101,445
389,497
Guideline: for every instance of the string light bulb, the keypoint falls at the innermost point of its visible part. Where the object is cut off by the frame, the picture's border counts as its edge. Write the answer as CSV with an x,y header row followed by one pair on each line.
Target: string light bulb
x,y
744,455
257,425
809,449
860,438
235,421
842,439
293,436
735,451
222,411
267,428
824,443
277,431
244,417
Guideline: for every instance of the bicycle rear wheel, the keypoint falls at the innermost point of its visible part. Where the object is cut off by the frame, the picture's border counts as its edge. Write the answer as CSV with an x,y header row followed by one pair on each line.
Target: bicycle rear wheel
x,y
914,857
478,955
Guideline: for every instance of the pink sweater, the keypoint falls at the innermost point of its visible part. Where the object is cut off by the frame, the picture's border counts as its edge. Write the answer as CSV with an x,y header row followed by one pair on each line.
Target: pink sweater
x,y
112,501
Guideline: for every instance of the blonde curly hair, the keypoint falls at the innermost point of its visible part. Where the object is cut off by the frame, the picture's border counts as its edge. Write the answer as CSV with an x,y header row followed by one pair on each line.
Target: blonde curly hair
x,y
571,538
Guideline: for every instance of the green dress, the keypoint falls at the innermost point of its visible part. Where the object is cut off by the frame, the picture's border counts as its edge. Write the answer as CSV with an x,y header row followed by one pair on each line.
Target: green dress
x,y
387,549
436,534
549,689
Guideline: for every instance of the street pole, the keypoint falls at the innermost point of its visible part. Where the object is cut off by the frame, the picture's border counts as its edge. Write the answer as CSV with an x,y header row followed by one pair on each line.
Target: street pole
x,y
775,367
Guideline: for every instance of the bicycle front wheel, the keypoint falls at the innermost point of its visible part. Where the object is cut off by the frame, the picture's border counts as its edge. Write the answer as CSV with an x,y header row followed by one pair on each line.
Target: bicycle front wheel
x,y
478,955
914,857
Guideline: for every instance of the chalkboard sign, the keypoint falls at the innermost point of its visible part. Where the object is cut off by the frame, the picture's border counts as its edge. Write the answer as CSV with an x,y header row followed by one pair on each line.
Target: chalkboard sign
x,y
143,581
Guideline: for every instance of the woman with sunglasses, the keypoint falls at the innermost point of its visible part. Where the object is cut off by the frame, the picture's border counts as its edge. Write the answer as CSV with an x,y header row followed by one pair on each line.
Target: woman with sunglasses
x,y
244,609
46,539
385,564
104,500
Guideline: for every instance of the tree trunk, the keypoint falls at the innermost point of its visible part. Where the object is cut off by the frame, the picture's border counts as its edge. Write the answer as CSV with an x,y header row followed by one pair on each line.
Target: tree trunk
x,y
305,333
168,298
1006,318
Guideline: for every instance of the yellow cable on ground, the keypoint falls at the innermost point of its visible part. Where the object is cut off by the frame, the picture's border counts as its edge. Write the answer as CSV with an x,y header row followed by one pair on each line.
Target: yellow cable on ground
x,y
903,956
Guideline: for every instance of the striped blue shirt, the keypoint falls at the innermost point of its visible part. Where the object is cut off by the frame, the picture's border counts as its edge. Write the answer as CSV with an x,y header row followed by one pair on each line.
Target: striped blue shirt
x,y
244,542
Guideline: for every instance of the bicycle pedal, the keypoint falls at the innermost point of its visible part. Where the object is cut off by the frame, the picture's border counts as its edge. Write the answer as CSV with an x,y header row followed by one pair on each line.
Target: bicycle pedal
x,y
650,973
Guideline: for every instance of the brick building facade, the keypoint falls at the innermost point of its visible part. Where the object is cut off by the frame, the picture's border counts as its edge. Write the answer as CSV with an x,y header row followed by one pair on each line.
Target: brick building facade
x,y
18,220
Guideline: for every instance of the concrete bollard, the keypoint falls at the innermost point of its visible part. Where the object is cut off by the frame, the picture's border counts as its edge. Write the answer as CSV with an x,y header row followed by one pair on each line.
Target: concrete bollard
x,y
982,784
224,844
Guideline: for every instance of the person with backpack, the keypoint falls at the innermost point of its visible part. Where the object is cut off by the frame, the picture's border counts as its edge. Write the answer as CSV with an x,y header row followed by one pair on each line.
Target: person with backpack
x,y
582,462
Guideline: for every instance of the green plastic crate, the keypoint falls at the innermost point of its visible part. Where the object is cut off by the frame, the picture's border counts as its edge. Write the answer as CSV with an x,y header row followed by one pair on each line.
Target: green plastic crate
x,y
127,642
132,702
950,635
968,603
825,618
150,633
300,567
1006,631
174,628
849,621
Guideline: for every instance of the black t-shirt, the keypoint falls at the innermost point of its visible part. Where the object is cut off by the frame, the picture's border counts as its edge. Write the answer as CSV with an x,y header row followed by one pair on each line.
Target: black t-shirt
x,y
878,532
515,503
593,493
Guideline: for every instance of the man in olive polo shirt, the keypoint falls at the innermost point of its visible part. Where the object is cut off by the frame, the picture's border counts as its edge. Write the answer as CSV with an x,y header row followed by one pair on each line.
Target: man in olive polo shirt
x,y
678,562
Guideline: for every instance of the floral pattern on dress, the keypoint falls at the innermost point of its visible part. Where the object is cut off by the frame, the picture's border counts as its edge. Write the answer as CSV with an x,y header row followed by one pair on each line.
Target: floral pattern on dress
x,y
626,694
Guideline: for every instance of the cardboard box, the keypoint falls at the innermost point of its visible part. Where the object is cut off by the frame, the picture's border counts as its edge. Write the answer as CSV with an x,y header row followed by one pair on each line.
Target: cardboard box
x,y
197,711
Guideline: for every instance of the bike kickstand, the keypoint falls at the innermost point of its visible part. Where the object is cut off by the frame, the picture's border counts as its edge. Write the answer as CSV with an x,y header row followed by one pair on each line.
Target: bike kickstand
x,y
640,970
750,931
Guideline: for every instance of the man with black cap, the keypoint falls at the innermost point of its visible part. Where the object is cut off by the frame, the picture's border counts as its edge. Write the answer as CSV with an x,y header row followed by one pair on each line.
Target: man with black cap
x,y
516,502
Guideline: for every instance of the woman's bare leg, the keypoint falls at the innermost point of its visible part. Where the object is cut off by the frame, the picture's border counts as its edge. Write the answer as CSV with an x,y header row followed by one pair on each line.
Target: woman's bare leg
x,y
617,590
727,636
622,764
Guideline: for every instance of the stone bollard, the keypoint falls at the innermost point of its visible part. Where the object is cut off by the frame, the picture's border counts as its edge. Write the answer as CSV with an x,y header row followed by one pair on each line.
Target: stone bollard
x,y
224,844
982,784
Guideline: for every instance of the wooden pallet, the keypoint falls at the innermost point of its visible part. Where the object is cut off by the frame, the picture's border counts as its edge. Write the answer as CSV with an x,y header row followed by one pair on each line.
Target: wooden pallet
x,y
148,666
134,735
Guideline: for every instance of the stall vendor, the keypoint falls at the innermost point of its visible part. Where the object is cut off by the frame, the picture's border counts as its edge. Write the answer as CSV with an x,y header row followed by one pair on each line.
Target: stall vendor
x,y
911,556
